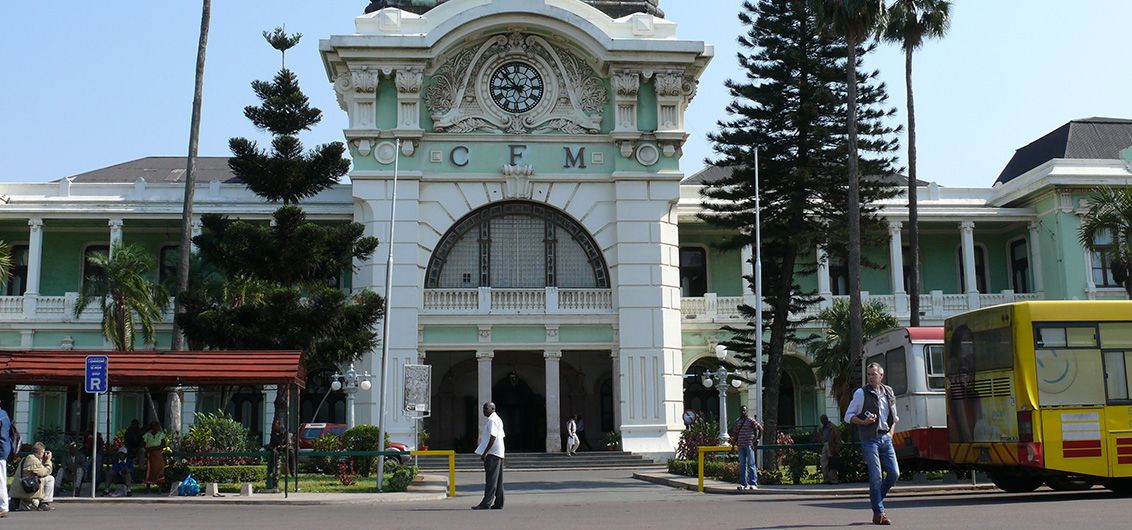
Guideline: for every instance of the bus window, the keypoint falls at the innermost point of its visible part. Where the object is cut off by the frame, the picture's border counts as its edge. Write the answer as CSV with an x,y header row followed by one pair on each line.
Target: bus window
x,y
896,371
1118,371
1116,334
1066,336
1069,376
933,356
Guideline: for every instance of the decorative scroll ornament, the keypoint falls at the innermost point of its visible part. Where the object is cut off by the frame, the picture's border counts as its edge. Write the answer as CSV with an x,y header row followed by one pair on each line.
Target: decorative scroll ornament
x,y
459,101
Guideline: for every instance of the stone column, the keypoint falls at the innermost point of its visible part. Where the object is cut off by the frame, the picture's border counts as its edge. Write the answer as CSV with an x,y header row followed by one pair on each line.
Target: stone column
x,y
896,268
615,356
823,278
189,409
970,286
1036,259
35,263
115,234
553,403
269,394
197,228
483,361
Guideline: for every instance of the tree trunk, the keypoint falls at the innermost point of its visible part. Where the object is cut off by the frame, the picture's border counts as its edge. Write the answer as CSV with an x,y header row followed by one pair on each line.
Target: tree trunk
x,y
152,406
854,210
779,330
190,176
913,206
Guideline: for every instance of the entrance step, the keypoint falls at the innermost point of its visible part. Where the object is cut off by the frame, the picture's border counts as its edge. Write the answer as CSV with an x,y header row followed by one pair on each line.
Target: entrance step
x,y
588,459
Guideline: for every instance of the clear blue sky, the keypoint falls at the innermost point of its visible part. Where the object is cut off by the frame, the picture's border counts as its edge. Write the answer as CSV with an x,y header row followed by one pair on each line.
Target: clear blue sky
x,y
91,84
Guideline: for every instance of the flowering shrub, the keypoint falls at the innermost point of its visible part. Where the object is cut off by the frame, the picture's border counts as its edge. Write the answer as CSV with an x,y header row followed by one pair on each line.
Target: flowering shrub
x,y
702,432
346,473
326,442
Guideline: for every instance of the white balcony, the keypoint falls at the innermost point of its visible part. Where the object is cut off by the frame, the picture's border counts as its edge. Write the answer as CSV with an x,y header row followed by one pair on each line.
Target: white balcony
x,y
486,300
933,306
55,309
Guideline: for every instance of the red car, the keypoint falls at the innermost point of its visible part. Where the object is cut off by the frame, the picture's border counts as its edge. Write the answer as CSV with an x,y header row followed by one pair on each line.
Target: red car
x,y
309,432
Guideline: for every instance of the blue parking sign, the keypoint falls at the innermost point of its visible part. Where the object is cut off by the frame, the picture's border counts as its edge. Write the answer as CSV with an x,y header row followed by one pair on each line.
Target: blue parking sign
x,y
97,374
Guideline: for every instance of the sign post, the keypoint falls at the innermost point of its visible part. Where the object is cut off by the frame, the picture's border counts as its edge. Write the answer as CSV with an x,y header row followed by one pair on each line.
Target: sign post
x,y
418,397
97,381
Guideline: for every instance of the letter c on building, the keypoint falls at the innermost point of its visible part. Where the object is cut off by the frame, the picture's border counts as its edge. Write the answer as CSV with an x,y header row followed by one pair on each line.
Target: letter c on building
x,y
460,156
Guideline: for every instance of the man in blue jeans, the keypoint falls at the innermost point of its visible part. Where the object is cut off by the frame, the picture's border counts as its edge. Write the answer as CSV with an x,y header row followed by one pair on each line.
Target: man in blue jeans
x,y
744,433
873,411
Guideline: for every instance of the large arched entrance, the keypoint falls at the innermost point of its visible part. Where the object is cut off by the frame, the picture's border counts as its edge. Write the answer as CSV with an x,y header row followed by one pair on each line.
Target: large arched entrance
x,y
705,400
523,412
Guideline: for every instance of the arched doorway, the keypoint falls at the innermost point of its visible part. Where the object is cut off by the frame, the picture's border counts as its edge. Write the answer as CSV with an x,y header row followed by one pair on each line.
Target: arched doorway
x,y
786,416
523,412
705,400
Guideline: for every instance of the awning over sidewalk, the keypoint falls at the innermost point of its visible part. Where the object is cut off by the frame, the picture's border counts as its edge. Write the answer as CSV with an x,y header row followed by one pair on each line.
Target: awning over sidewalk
x,y
265,367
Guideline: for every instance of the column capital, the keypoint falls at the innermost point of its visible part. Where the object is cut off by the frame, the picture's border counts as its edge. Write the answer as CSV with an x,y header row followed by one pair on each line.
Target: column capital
x,y
1033,226
552,355
485,332
115,222
966,225
615,353
483,355
894,226
35,223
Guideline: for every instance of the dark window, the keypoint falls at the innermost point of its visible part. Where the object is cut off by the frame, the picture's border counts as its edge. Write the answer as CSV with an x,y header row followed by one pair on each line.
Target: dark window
x,y
18,281
980,270
933,356
906,252
896,370
838,277
91,270
167,272
1020,266
1102,260
693,271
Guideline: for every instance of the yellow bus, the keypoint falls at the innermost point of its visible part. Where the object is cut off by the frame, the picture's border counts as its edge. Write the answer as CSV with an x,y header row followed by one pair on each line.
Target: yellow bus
x,y
1038,392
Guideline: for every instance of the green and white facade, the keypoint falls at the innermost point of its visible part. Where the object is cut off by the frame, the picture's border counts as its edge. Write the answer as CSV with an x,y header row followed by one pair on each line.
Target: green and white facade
x,y
546,256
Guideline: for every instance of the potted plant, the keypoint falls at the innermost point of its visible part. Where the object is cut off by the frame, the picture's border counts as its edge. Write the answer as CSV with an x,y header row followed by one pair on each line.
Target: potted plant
x,y
422,440
613,441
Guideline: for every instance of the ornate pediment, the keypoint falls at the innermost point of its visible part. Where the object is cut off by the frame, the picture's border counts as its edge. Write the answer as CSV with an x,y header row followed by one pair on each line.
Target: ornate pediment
x,y
570,97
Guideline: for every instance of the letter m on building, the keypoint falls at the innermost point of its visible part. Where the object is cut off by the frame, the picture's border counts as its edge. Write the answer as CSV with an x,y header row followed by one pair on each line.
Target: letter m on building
x,y
577,160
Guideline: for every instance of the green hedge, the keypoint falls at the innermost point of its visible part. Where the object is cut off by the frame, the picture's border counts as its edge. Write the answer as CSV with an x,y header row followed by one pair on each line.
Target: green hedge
x,y
399,478
228,474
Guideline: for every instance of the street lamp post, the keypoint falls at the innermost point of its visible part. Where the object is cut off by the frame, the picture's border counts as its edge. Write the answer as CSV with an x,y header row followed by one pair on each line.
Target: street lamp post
x,y
351,381
721,378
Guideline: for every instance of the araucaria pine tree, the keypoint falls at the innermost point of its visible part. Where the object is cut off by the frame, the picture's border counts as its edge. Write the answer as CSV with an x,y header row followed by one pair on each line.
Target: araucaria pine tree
x,y
790,107
277,291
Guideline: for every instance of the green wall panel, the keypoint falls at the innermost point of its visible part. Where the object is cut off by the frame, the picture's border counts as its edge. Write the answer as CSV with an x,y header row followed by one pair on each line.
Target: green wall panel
x,y
504,334
646,108
450,334
63,257
52,339
583,334
10,339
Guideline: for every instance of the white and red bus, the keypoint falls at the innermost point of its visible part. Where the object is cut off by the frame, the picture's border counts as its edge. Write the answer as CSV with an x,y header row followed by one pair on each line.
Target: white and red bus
x,y
913,366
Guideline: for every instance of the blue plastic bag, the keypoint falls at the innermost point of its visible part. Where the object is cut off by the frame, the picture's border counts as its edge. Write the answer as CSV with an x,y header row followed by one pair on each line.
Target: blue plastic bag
x,y
189,487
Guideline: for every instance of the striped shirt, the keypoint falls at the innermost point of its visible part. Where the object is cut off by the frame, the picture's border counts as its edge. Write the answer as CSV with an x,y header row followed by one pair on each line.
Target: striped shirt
x,y
745,431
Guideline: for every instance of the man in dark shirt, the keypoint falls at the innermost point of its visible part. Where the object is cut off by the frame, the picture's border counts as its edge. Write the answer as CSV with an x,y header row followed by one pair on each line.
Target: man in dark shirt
x,y
746,430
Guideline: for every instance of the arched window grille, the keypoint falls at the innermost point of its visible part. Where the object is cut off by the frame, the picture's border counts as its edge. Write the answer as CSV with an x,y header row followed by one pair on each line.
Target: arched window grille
x,y
517,244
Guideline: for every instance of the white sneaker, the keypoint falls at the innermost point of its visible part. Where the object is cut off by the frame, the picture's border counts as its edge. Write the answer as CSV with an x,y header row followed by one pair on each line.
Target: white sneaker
x,y
753,487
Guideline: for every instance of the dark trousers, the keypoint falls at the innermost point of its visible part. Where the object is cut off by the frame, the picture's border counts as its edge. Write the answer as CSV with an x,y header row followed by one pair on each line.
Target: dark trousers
x,y
584,442
493,482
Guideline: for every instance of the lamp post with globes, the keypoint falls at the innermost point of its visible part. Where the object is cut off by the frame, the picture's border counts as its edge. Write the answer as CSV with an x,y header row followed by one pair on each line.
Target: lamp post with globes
x,y
351,381
721,378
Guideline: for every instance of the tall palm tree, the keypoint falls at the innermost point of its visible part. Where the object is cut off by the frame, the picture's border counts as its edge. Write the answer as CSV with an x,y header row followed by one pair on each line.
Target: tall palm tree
x,y
190,175
909,23
128,297
855,21
1110,214
831,353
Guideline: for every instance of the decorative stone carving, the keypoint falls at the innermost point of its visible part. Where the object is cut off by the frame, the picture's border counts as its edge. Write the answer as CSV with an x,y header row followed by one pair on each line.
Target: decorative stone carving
x,y
459,101
626,84
669,84
518,180
356,91
385,153
647,154
409,80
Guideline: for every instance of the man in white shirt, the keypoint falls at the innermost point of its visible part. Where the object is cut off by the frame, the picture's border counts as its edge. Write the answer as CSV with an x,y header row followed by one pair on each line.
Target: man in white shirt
x,y
491,452
873,412
571,437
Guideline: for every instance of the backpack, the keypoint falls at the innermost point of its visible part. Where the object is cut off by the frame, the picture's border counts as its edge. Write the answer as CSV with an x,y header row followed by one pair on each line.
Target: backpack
x,y
14,437
189,487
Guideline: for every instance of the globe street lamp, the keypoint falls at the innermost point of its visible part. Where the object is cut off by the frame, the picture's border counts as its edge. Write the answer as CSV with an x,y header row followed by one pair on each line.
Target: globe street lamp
x,y
721,377
351,381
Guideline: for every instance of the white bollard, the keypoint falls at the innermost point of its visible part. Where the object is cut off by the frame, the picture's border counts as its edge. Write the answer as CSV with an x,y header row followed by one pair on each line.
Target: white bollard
x,y
212,489
246,489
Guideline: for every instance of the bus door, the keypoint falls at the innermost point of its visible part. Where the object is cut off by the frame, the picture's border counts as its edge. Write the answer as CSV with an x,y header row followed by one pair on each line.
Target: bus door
x,y
1118,376
1071,396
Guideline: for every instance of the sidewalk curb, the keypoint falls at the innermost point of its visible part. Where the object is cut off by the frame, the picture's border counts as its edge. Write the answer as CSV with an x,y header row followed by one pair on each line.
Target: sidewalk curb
x,y
726,488
424,488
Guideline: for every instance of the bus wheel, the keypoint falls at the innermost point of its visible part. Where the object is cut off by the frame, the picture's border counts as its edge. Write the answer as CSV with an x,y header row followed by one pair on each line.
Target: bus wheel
x,y
1068,483
1015,483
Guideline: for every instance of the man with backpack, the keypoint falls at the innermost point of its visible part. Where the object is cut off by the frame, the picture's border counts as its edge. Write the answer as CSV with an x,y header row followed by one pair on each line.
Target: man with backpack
x,y
6,453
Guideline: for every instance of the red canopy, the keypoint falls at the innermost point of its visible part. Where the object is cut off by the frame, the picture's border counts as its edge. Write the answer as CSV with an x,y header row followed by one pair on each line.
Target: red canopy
x,y
263,367
925,333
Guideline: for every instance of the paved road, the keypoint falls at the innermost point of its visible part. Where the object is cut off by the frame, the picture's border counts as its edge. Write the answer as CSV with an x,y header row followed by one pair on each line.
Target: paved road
x,y
609,498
